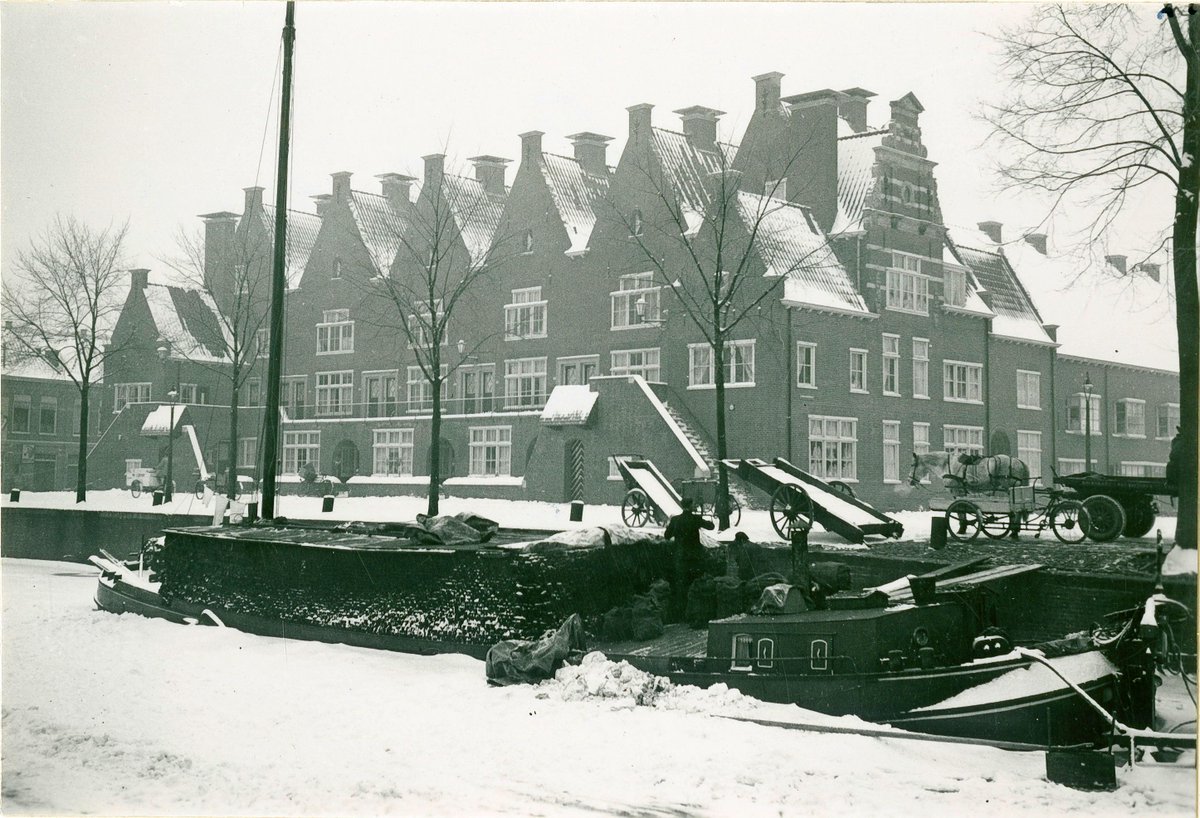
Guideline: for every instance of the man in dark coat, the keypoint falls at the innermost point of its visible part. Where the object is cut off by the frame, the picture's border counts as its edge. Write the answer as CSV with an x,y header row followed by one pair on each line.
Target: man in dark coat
x,y
683,530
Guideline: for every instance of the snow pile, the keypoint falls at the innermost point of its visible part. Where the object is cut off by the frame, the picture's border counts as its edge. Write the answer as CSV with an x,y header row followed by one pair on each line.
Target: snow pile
x,y
1180,562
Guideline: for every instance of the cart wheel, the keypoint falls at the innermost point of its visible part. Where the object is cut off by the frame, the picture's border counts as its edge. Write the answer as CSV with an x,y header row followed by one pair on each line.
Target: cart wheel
x,y
1106,518
1069,521
996,525
636,511
1139,517
963,520
791,508
735,511
135,488
842,488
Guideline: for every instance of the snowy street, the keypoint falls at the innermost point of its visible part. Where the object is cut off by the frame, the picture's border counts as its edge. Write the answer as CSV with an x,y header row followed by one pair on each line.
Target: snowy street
x,y
120,715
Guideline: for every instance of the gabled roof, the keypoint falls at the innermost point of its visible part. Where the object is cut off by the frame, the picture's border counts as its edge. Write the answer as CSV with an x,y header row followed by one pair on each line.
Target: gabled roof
x,y
476,213
302,229
856,180
686,169
577,194
188,319
789,242
1015,314
18,363
380,225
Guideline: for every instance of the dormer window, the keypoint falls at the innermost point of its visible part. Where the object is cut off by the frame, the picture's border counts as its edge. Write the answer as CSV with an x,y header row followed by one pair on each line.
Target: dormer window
x,y
528,241
636,229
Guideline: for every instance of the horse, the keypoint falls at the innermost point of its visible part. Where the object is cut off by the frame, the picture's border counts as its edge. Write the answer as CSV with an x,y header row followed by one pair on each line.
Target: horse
x,y
965,473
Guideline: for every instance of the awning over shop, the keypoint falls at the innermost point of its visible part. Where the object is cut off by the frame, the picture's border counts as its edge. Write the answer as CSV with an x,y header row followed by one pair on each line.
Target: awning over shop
x,y
159,420
569,406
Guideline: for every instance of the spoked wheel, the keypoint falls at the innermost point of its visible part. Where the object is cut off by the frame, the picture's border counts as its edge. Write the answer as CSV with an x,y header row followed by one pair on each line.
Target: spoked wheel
x,y
791,508
636,511
135,488
1139,517
963,520
1069,521
709,510
996,525
1106,518
842,488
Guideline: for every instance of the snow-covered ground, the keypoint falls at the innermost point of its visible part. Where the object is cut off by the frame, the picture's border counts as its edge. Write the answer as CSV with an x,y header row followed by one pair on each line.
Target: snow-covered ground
x,y
122,715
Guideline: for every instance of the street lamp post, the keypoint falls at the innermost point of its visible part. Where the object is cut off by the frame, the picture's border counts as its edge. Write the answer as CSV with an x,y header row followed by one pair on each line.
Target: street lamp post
x,y
169,489
1087,422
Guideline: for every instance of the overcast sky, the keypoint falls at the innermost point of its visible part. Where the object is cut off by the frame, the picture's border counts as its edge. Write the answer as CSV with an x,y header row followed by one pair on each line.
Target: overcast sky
x,y
156,112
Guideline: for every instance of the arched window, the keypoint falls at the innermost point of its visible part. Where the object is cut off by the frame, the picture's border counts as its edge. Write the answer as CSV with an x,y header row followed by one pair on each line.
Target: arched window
x,y
637,223
818,655
766,652
528,241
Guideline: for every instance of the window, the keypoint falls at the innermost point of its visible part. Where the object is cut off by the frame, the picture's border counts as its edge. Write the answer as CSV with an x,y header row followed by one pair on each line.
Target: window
x,y
1073,465
22,409
776,189
300,448
48,416
614,473
420,390
891,451
637,301
766,652
818,655
962,382
253,391
642,362
392,452
188,393
1142,469
891,364
920,367
1029,389
921,443
525,317
337,268
75,409
247,452
262,343
1083,409
738,364
833,447
806,365
381,393
477,387
1029,449
962,439
1168,420
422,323
127,393
907,288
1129,417
858,370
636,223
954,289
524,382
577,370
335,392
491,451
335,333
528,242
294,394
742,643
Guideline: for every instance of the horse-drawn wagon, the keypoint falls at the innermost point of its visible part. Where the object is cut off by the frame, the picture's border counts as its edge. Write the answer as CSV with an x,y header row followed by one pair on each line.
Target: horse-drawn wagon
x,y
1024,508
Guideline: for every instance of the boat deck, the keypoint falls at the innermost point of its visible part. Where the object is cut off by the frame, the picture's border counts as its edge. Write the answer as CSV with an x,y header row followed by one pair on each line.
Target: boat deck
x,y
677,640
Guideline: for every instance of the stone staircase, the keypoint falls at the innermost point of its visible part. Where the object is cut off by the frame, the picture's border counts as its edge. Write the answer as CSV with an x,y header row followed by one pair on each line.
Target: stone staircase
x,y
700,441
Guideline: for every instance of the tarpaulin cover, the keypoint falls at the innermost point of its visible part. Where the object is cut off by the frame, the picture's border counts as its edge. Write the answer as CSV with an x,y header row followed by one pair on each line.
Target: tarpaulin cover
x,y
780,599
521,662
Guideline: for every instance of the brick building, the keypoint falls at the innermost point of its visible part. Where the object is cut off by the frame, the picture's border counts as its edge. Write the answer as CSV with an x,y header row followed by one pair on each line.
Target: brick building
x,y
886,329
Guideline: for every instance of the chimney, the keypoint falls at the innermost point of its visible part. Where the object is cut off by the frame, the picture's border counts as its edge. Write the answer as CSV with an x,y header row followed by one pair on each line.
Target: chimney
x,y
489,172
395,188
1037,241
993,230
766,92
139,277
1150,269
435,169
591,151
531,145
219,230
322,201
700,125
1118,262
852,107
639,122
341,187
254,200
813,180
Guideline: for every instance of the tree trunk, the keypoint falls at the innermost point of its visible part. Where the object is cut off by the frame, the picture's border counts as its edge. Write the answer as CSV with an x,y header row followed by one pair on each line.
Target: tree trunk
x,y
435,431
81,469
719,380
231,482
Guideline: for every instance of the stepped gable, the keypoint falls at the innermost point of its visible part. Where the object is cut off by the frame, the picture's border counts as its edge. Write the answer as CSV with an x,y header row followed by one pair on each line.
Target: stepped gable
x,y
381,226
302,229
187,318
790,243
476,213
577,195
1016,316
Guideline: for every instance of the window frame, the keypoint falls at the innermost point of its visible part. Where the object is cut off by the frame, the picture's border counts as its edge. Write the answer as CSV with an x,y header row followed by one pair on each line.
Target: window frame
x,y
811,364
503,451
643,369
891,358
623,299
1159,417
1024,378
48,403
923,361
121,391
957,448
1121,412
291,448
732,366
1035,466
515,396
891,444
534,307
949,382
382,444
1076,403
344,388
897,275
838,441
335,324
862,356
247,446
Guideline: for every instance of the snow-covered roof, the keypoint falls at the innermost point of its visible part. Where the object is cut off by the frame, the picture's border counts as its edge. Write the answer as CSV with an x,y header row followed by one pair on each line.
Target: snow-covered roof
x,y
19,363
188,319
302,229
790,243
380,226
856,159
476,213
577,194
1015,314
686,169
1102,314
569,405
159,420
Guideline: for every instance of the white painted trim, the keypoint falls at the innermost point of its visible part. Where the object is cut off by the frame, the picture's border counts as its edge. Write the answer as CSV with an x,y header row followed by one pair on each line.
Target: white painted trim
x,y
702,469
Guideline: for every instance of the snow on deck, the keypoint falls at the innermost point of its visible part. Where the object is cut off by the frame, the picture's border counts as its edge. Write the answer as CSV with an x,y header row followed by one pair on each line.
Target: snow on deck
x,y
1033,680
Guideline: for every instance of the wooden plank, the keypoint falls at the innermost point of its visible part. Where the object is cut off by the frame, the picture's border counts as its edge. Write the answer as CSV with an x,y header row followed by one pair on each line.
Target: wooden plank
x,y
955,569
971,580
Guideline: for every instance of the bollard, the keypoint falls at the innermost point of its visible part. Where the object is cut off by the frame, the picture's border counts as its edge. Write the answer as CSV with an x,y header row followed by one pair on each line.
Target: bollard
x,y
576,511
327,503
15,496
251,512
937,533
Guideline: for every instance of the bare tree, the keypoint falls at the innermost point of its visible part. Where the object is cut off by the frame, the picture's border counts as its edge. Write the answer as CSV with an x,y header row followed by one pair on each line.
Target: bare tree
x,y
238,283
442,259
725,259
69,294
1099,108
